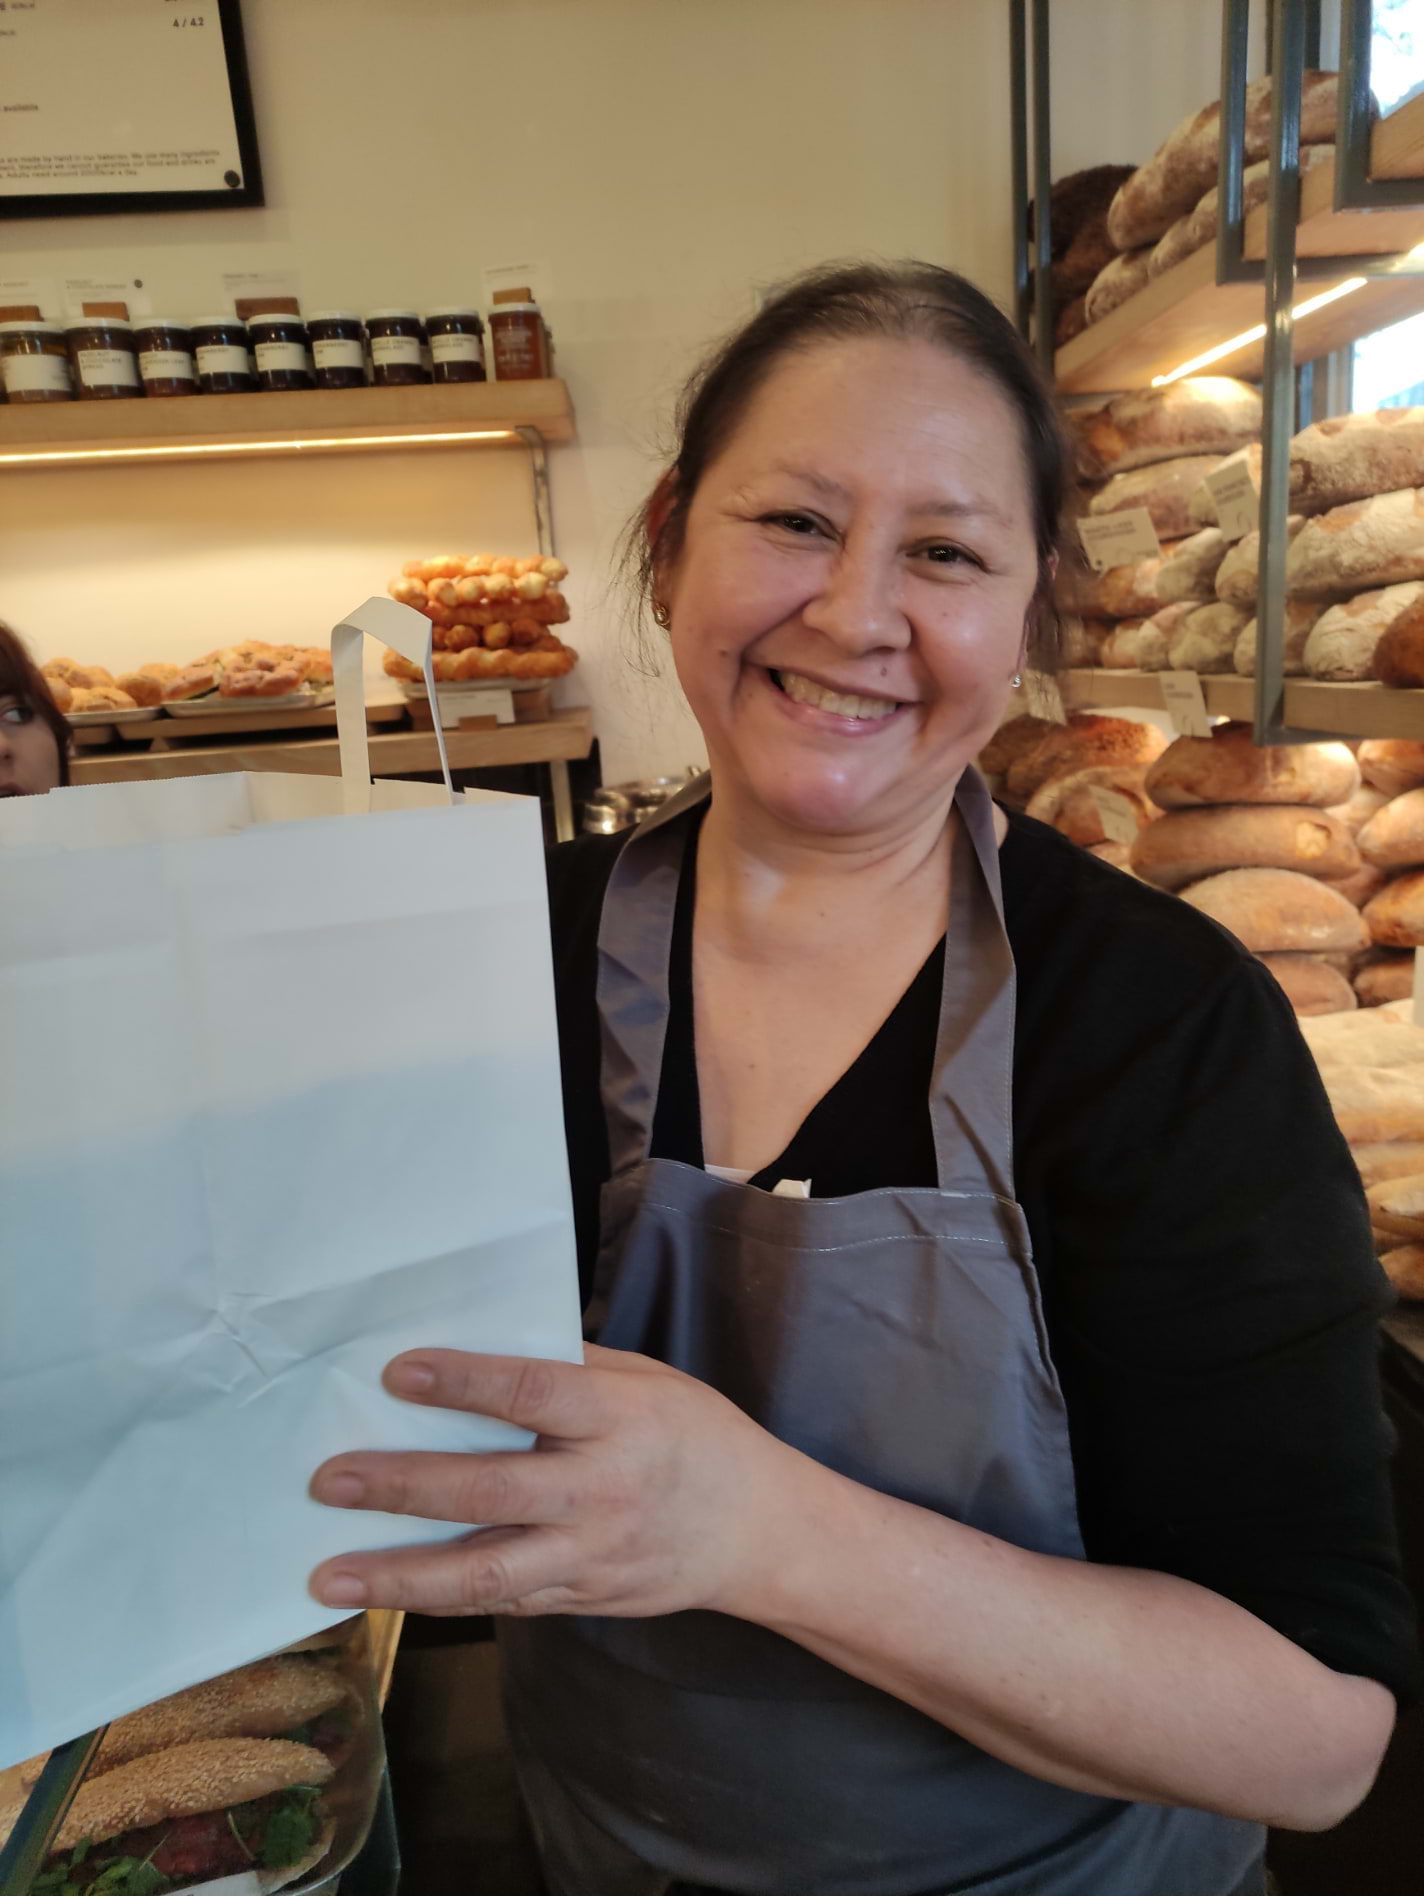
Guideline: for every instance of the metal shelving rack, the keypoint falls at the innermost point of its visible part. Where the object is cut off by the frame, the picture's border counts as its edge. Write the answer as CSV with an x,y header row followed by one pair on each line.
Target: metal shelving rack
x,y
1291,394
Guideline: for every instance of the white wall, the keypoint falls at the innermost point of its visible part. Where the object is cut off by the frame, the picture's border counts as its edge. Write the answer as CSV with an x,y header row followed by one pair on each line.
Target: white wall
x,y
665,157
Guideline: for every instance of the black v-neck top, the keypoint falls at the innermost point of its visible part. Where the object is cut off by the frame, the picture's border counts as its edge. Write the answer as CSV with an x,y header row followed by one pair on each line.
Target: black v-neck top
x,y
1210,1285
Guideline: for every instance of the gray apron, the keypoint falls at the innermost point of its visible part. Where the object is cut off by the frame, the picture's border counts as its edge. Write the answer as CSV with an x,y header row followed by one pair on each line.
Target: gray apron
x,y
898,1337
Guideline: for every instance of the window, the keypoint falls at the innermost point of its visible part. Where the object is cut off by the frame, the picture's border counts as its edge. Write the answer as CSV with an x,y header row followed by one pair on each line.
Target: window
x,y
1389,365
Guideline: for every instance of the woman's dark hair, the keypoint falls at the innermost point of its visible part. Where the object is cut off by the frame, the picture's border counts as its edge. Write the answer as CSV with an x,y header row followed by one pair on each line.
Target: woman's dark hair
x,y
841,302
22,679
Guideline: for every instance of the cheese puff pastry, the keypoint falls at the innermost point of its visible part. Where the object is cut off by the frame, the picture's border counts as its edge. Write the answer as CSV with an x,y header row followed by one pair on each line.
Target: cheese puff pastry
x,y
442,592
506,566
522,567
443,566
446,666
498,635
408,591
456,638
470,590
554,570
480,564
531,585
525,631
499,586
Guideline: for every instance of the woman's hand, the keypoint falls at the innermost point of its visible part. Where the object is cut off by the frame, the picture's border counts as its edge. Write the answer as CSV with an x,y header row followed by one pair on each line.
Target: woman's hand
x,y
646,1492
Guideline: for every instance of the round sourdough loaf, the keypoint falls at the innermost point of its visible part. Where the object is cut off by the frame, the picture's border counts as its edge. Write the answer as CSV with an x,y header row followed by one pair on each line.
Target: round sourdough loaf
x,y
1394,837
1395,917
1085,739
1390,978
1311,986
1392,764
1228,768
1203,414
1068,805
1186,845
1279,911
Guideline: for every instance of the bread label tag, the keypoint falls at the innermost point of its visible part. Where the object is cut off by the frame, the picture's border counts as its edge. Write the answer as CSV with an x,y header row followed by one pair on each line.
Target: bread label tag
x,y
1238,505
1182,696
1115,813
1119,539
1419,987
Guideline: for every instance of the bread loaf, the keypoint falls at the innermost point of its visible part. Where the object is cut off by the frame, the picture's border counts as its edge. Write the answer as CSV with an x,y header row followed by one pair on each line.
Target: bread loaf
x,y
1115,853
1395,917
1394,838
1403,1265
1345,638
1188,845
1066,803
1228,767
1361,887
1300,617
1375,1105
1012,740
1085,739
1374,1040
1397,1205
1399,656
1279,911
1124,592
1203,414
1311,986
1202,505
1238,577
1174,179
1188,571
1357,810
1153,641
1392,764
1116,283
1375,542
1351,456
1164,489
1198,228
1387,1158
1118,651
1391,978
1205,641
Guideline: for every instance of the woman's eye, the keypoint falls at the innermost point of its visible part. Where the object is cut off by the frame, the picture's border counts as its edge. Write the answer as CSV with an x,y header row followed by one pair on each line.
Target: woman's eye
x,y
793,522
16,713
941,554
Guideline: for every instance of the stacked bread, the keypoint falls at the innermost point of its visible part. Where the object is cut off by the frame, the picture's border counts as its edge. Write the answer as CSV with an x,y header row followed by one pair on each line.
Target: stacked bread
x,y
1391,842
1168,207
1057,774
1373,1069
1153,449
1260,840
492,616
1079,244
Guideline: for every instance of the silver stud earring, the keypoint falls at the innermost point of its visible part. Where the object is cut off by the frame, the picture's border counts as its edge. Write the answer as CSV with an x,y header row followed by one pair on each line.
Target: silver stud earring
x,y
661,614
1016,681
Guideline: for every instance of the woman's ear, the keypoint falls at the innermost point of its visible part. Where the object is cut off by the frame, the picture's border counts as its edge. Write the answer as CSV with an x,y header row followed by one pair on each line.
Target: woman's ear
x,y
658,506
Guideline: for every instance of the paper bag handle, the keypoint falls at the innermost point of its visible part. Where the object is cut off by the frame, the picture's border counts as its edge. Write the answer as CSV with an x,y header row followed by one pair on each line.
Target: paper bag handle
x,y
409,632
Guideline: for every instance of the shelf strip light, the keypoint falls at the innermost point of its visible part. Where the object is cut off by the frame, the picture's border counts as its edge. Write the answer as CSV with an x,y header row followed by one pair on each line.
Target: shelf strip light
x,y
29,457
1257,331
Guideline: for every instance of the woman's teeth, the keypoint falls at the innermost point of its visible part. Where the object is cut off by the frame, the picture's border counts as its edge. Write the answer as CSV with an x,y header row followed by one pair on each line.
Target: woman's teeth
x,y
807,691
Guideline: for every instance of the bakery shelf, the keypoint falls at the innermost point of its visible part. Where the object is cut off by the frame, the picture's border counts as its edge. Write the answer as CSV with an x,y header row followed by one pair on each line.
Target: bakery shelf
x,y
1363,710
1184,312
318,421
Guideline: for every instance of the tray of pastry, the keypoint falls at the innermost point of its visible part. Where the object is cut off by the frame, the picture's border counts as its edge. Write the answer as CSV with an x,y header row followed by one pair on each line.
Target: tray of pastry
x,y
216,702
132,714
264,1778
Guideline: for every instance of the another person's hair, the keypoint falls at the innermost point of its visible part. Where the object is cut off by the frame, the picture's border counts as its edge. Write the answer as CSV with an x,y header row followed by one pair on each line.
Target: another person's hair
x,y
846,302
21,678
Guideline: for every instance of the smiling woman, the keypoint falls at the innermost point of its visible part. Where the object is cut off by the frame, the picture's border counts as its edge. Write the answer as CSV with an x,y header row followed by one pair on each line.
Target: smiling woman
x,y
931,1509
34,737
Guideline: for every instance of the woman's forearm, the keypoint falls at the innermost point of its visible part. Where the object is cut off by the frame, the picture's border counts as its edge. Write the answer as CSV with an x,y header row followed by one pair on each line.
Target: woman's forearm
x,y
1114,1681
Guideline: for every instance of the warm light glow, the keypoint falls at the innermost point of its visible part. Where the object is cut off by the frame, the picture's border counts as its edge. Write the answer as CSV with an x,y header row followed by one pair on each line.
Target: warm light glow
x,y
1255,333
33,457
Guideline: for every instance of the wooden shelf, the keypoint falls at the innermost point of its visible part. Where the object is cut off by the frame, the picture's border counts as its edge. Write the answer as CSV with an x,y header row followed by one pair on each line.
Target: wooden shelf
x,y
566,735
1184,312
318,421
1364,710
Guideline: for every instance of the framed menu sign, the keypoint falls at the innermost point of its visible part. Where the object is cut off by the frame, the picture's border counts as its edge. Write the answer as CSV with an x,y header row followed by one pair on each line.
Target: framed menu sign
x,y
124,105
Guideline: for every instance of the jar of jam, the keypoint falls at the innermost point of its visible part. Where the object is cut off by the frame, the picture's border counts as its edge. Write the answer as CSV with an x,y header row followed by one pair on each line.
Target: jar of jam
x,y
338,346
105,358
165,357
518,337
34,363
457,345
220,349
397,345
279,343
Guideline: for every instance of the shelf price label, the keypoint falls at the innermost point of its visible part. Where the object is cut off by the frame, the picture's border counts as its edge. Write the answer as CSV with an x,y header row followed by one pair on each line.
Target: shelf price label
x,y
1182,696
1115,813
1238,505
1119,539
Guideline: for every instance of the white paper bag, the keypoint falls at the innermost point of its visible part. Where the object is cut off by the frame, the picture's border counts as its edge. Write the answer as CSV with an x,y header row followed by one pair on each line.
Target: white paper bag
x,y
279,1098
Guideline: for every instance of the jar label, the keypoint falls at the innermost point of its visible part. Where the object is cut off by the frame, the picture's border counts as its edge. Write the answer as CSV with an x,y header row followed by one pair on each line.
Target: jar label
x,y
25,374
166,365
456,349
282,358
107,368
222,358
390,351
338,352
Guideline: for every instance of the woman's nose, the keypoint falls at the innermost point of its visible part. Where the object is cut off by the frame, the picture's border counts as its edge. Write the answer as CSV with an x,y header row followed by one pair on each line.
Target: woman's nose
x,y
858,607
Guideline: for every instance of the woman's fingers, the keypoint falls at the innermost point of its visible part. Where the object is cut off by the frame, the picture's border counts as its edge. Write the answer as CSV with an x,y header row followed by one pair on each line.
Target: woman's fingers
x,y
544,1397
515,1489
492,1571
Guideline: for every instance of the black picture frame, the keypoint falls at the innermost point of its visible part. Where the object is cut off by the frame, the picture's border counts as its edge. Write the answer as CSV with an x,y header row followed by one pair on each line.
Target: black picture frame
x,y
245,195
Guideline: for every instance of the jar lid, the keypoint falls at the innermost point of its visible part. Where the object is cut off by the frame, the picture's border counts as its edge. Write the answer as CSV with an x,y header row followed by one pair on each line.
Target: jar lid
x,y
454,310
27,325
393,315
514,309
334,316
269,318
218,322
98,322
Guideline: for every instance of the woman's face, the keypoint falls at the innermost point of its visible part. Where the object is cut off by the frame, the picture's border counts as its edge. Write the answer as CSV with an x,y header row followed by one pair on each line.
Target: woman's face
x,y
850,600
29,755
